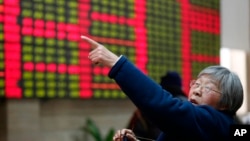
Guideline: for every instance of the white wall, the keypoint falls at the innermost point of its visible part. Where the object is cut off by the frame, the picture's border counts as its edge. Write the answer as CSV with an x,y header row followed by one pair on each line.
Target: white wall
x,y
235,46
235,24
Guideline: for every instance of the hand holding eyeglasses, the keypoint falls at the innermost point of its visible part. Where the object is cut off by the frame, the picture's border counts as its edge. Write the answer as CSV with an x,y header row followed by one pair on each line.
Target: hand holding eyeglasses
x,y
128,135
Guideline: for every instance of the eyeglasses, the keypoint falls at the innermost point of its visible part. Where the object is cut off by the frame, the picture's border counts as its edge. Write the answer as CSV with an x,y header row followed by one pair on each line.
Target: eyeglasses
x,y
137,137
204,89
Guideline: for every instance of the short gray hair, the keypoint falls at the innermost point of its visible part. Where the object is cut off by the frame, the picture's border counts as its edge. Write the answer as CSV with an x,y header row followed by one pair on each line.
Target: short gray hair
x,y
229,84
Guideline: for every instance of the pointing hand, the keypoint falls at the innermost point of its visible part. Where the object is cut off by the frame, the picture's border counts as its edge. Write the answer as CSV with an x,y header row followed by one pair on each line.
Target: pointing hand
x,y
100,54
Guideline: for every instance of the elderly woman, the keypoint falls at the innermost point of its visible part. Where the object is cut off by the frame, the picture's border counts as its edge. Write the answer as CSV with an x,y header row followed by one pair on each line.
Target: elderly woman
x,y
207,115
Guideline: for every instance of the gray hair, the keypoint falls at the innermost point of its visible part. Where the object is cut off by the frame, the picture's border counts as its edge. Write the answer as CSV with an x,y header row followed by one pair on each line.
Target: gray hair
x,y
229,84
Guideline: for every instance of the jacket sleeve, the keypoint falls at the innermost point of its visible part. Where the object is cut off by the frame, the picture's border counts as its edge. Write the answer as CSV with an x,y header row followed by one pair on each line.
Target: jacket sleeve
x,y
159,105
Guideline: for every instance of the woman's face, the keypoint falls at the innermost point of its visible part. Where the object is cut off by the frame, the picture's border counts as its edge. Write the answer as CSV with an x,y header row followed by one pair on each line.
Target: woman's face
x,y
204,91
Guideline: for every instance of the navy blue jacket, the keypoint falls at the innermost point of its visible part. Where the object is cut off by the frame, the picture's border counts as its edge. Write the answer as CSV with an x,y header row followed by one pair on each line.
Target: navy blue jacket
x,y
177,119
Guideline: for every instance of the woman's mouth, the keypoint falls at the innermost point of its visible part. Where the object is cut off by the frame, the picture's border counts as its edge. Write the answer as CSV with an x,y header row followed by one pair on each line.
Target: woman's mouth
x,y
193,101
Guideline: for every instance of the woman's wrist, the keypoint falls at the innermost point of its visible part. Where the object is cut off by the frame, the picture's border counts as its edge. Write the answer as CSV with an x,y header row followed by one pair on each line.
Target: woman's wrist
x,y
117,60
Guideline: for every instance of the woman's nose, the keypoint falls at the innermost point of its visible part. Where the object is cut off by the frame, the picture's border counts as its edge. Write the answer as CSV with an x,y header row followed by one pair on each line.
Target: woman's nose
x,y
197,91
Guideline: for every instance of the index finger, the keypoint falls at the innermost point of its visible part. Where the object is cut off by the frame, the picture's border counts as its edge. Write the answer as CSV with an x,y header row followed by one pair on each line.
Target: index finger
x,y
92,42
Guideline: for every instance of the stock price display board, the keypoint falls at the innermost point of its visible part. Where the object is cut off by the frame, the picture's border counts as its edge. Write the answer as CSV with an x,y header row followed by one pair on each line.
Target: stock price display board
x,y
42,55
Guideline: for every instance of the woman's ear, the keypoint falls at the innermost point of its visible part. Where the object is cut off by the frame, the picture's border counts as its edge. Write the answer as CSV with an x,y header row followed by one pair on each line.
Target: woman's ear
x,y
222,107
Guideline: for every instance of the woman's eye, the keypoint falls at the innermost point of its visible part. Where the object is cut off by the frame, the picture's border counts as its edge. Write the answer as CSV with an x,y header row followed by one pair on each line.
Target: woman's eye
x,y
207,87
197,84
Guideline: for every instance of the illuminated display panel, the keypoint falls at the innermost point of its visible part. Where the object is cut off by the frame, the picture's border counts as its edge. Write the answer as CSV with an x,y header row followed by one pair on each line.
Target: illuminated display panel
x,y
42,56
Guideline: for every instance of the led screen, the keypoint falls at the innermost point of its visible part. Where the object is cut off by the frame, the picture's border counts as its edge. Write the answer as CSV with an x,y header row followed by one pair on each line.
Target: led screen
x,y
42,56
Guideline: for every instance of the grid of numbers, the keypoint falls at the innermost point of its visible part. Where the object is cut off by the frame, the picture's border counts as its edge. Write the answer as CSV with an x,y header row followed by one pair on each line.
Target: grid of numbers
x,y
42,56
